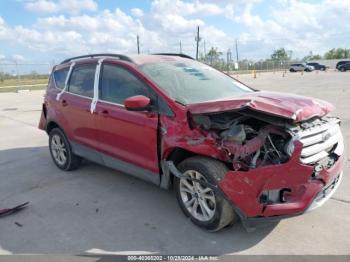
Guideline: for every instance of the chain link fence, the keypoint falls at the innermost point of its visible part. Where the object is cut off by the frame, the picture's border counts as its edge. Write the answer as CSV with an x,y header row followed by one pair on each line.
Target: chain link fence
x,y
19,76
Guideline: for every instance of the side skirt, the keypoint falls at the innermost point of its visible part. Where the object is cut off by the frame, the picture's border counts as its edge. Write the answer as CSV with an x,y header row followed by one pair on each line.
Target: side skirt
x,y
114,163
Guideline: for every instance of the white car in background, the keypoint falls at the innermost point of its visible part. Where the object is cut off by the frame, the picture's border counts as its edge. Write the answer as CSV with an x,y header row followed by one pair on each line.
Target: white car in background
x,y
301,67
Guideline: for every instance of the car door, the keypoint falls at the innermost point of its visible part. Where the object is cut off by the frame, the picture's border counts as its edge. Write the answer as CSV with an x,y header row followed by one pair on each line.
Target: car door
x,y
127,139
76,102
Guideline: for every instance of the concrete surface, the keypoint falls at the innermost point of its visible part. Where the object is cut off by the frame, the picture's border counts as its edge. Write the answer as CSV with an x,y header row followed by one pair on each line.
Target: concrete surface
x,y
98,210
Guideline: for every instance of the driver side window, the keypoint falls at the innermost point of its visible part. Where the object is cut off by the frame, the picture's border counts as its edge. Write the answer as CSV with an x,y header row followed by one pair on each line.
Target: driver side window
x,y
118,84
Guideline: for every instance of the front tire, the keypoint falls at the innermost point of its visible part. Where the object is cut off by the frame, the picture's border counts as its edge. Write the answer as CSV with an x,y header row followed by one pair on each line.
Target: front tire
x,y
61,151
205,207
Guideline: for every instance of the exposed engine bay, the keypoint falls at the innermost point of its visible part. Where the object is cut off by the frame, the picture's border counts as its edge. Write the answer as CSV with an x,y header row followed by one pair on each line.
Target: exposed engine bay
x,y
248,142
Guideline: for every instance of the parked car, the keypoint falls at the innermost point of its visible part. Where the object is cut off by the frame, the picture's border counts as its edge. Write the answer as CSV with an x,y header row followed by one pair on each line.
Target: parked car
x,y
341,63
344,67
317,66
228,151
301,67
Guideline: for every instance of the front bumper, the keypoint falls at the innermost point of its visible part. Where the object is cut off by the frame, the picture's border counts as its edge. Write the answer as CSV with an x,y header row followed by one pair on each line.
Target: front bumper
x,y
326,193
307,192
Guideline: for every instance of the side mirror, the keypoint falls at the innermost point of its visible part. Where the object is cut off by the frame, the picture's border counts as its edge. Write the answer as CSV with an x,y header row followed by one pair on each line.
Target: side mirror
x,y
137,103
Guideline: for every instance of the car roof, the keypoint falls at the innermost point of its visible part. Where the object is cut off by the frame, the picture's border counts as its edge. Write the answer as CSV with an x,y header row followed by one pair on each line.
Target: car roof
x,y
135,59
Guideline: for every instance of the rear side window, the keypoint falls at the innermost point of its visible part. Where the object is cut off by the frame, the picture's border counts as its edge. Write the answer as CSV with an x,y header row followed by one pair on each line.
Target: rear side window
x,y
60,77
117,84
82,80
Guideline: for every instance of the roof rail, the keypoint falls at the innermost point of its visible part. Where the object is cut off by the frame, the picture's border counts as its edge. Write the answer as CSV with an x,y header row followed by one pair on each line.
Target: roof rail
x,y
121,57
174,54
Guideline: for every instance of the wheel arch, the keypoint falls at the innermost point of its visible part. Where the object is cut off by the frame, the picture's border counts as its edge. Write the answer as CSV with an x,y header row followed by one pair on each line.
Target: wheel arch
x,y
51,125
176,155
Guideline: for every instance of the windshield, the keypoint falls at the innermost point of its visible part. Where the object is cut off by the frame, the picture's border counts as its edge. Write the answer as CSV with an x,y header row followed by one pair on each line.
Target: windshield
x,y
191,82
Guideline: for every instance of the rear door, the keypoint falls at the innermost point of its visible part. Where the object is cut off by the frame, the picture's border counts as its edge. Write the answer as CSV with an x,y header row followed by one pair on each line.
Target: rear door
x,y
128,139
76,102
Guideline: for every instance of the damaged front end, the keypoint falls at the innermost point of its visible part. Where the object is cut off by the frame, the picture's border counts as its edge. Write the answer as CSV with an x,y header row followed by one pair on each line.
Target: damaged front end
x,y
278,167
248,142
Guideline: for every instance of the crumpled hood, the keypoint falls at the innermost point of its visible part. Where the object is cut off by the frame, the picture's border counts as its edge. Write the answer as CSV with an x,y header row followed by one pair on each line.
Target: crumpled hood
x,y
297,108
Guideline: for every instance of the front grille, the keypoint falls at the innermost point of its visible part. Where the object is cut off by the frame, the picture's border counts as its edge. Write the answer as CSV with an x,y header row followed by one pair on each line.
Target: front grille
x,y
320,139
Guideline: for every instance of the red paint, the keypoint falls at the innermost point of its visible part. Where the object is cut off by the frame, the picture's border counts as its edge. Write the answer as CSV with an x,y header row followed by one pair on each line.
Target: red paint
x,y
127,135
244,188
132,136
293,107
137,102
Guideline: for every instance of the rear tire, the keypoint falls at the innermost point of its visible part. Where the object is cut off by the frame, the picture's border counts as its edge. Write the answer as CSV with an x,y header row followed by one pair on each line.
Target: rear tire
x,y
291,70
61,151
205,207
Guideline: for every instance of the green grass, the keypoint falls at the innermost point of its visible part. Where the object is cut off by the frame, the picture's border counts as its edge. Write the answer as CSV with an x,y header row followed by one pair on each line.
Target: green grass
x,y
22,81
14,84
15,89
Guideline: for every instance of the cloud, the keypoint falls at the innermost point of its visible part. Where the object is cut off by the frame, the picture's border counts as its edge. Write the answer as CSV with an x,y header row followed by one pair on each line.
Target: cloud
x,y
18,58
70,6
295,25
137,12
5,32
185,8
160,30
69,27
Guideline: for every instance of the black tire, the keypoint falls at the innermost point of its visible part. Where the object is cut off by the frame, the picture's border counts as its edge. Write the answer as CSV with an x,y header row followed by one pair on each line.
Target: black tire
x,y
72,161
342,69
291,70
323,69
213,171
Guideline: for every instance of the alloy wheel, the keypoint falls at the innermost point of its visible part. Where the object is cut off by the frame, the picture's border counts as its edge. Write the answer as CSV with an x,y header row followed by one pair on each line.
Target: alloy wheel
x,y
58,149
199,200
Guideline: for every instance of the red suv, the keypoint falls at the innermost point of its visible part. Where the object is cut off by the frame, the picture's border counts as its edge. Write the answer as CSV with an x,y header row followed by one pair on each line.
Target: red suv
x,y
229,151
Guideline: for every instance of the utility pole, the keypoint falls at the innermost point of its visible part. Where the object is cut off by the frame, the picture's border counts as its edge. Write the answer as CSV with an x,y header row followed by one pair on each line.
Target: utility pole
x,y
17,73
236,51
205,52
180,47
197,40
228,60
138,44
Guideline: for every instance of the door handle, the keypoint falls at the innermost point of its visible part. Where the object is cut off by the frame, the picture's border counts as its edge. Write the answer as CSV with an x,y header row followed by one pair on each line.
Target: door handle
x,y
64,103
104,113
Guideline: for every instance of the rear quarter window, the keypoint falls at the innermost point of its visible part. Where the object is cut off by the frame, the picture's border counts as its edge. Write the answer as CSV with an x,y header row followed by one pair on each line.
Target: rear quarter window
x,y
59,77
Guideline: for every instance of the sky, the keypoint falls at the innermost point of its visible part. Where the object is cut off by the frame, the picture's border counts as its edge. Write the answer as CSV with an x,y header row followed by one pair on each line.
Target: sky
x,y
47,31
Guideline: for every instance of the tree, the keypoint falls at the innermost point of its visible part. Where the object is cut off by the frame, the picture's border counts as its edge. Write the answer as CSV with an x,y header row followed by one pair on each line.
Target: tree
x,y
34,74
311,57
213,55
281,54
337,53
